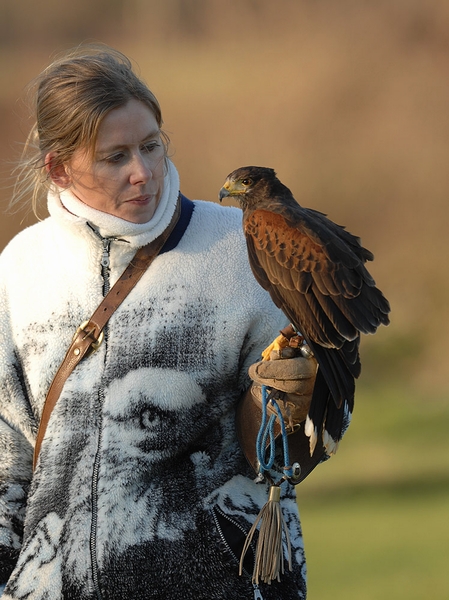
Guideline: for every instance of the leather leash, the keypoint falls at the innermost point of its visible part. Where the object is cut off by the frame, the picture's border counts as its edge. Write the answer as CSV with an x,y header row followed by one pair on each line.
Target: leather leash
x,y
89,335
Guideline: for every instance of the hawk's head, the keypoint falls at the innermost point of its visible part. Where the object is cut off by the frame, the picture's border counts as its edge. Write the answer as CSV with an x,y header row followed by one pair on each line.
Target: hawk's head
x,y
249,186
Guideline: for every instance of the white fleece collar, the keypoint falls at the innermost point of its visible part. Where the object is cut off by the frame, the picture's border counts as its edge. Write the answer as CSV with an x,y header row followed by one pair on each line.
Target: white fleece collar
x,y
64,206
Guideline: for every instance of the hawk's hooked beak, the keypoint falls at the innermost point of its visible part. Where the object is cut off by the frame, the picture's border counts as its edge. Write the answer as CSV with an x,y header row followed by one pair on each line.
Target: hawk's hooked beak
x,y
225,191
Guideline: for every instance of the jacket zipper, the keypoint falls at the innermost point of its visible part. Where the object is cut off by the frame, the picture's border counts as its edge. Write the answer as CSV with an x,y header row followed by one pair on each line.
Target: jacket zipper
x,y
256,590
105,261
94,523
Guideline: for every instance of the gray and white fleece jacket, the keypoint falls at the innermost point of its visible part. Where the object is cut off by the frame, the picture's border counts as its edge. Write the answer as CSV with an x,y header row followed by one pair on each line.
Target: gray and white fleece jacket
x,y
141,490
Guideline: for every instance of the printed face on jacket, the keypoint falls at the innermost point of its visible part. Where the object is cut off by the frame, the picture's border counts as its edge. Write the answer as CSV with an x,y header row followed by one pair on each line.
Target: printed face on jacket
x,y
125,177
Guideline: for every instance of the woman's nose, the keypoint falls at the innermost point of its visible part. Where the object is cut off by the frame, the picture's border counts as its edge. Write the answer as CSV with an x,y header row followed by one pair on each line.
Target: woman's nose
x,y
140,171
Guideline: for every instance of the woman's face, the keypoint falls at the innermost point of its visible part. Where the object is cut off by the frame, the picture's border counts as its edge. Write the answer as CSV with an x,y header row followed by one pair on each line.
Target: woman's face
x,y
126,174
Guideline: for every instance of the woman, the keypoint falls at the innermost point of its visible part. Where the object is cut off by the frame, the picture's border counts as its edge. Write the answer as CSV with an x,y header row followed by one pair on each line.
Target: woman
x,y
141,489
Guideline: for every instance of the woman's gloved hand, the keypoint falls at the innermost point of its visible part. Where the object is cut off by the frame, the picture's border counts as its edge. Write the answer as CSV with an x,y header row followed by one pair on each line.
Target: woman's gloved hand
x,y
288,371
290,378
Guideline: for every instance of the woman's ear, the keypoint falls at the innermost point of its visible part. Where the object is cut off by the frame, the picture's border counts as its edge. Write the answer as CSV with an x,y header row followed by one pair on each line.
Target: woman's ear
x,y
57,171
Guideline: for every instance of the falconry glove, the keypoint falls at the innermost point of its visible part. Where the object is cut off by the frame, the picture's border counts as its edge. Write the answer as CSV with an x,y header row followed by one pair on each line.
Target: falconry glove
x,y
288,370
290,380
282,390
284,380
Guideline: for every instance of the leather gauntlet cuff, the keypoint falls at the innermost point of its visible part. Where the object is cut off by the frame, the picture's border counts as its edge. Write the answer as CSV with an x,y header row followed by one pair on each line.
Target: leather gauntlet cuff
x,y
248,420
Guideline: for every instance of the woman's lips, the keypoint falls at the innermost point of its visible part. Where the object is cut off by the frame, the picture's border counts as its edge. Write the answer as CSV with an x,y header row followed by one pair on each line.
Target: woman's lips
x,y
141,199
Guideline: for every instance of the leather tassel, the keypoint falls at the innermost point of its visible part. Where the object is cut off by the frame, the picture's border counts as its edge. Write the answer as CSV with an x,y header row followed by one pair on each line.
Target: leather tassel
x,y
269,563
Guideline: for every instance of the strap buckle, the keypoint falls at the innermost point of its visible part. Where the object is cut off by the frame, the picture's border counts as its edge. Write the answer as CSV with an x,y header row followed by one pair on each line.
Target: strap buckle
x,y
96,343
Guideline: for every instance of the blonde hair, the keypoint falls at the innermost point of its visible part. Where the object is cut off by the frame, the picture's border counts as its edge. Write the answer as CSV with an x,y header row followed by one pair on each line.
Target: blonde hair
x,y
70,99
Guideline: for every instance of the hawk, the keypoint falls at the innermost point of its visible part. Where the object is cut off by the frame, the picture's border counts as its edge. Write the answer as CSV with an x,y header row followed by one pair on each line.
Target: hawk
x,y
314,271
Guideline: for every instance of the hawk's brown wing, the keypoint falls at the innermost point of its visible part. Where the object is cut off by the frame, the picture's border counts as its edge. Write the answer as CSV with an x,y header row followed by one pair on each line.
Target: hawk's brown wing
x,y
314,271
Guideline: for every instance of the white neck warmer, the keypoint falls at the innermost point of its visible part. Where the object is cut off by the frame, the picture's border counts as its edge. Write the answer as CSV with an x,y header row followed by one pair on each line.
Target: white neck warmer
x,y
64,205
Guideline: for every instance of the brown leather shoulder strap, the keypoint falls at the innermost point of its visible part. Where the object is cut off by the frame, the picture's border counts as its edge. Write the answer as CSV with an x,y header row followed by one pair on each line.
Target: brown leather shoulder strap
x,y
88,336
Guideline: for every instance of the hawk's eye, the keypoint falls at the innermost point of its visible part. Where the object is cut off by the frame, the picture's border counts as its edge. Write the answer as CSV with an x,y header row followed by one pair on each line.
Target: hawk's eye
x,y
247,181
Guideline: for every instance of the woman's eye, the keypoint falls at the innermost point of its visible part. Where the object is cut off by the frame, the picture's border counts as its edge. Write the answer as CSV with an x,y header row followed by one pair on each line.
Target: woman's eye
x,y
150,146
115,158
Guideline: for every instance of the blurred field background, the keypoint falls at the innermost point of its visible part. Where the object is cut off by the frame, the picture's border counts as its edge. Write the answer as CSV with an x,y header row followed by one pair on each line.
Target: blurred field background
x,y
349,102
